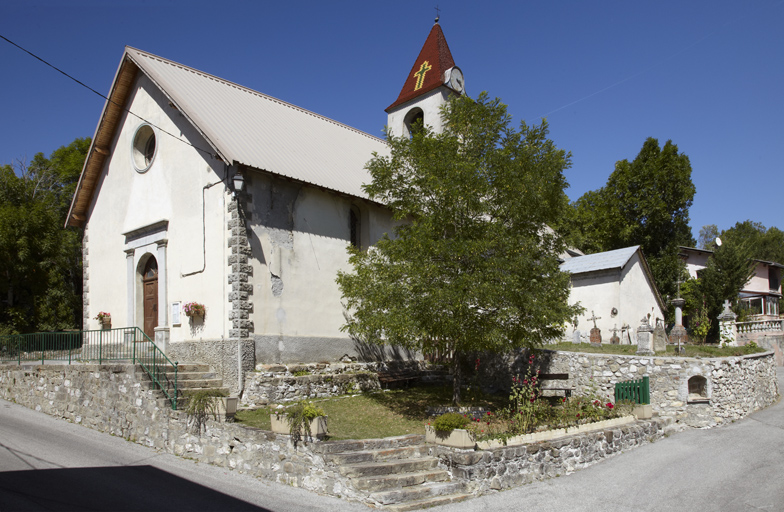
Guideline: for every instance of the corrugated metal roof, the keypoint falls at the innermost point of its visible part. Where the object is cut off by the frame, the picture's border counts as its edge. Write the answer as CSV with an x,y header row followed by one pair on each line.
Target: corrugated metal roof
x,y
256,130
599,261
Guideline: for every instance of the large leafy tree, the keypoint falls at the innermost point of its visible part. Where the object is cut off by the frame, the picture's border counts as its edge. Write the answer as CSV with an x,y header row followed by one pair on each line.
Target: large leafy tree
x,y
728,270
40,261
473,266
645,202
762,243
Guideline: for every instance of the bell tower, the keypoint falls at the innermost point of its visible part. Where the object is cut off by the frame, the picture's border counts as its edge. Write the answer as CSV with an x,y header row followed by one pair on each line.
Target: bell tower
x,y
429,85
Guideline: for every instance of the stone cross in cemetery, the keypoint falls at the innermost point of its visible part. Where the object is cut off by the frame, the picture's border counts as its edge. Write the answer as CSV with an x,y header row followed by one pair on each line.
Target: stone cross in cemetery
x,y
644,335
659,337
615,340
728,331
576,333
596,333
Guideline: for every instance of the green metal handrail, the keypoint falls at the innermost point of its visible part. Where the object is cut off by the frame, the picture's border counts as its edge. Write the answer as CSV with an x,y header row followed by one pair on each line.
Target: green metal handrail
x,y
120,344
637,391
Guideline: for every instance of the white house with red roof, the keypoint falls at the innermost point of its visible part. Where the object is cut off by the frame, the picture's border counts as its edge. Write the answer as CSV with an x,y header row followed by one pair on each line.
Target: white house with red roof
x,y
197,189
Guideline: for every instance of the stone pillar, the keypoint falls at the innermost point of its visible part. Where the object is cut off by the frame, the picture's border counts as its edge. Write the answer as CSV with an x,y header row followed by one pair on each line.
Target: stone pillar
x,y
241,288
130,289
678,333
163,300
644,338
728,331
659,337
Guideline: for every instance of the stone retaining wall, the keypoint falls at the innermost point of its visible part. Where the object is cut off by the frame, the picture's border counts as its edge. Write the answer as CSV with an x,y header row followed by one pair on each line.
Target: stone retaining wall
x,y
507,467
280,383
734,387
112,399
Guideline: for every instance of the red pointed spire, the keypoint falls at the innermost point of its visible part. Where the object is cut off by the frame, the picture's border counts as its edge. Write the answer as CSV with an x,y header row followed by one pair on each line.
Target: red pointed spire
x,y
428,71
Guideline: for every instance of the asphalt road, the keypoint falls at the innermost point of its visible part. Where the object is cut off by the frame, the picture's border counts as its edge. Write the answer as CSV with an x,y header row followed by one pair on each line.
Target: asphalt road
x,y
737,467
50,464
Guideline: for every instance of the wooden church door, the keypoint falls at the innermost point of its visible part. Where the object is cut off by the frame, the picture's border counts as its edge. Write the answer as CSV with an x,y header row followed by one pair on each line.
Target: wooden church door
x,y
150,286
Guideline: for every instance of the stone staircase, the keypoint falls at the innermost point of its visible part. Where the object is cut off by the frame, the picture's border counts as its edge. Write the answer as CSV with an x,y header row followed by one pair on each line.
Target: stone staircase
x,y
191,378
397,473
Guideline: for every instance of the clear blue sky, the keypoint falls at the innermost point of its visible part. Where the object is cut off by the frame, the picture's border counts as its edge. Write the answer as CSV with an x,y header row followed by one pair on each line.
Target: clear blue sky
x,y
709,75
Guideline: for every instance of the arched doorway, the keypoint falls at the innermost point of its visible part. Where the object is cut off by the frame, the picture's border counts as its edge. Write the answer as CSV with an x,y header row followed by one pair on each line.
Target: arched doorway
x,y
150,289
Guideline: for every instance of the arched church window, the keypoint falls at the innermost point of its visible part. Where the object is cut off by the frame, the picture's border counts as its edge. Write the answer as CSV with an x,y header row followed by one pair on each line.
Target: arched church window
x,y
353,223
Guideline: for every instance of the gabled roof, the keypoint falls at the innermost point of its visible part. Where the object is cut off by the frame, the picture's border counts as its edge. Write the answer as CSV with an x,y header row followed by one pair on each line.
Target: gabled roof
x,y
429,68
609,260
242,127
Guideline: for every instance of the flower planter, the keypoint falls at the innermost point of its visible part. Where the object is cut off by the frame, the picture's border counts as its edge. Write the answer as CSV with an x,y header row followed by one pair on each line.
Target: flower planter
x,y
106,324
227,407
548,435
280,425
457,438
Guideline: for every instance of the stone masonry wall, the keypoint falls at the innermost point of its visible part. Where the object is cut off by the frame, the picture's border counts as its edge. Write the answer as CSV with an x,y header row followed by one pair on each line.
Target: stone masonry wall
x,y
736,386
511,466
116,400
112,399
281,383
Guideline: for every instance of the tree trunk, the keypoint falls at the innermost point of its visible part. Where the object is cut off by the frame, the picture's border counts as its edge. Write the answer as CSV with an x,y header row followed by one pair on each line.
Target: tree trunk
x,y
456,378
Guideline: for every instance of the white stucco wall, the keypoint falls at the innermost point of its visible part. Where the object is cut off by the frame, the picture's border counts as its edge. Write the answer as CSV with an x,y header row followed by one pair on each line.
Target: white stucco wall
x,y
430,104
299,239
628,291
170,190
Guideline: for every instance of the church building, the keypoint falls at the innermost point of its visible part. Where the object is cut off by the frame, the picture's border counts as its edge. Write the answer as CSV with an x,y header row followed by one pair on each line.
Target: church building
x,y
199,190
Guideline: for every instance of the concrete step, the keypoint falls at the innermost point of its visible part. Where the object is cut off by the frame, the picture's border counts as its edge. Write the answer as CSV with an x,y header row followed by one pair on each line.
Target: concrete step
x,y
186,392
428,502
390,482
199,383
417,493
355,457
369,444
388,467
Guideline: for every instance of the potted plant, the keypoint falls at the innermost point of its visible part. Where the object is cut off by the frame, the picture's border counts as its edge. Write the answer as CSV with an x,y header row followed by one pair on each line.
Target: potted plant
x,y
194,309
301,421
448,430
210,402
105,319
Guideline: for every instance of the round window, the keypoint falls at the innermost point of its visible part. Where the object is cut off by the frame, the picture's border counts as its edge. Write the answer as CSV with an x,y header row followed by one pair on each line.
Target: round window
x,y
143,150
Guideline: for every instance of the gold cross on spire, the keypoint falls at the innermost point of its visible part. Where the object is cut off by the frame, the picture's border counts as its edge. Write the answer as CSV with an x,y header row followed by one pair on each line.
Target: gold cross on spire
x,y
423,69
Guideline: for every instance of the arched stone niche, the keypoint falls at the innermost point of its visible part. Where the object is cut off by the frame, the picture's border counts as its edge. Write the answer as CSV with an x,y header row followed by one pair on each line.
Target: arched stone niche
x,y
698,389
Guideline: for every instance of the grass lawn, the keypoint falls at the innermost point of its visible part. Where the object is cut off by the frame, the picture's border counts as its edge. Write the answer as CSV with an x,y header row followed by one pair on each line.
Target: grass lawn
x,y
630,350
379,414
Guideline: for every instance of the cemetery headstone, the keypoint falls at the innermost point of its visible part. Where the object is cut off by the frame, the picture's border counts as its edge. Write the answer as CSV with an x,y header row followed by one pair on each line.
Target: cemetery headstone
x,y
659,337
596,333
615,340
644,335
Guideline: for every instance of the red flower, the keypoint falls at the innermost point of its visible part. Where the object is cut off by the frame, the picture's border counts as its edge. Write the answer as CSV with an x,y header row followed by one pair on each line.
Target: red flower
x,y
609,405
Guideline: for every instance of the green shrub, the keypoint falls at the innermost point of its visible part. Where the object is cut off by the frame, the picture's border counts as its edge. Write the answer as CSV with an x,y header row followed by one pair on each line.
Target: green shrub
x,y
450,421
202,404
299,417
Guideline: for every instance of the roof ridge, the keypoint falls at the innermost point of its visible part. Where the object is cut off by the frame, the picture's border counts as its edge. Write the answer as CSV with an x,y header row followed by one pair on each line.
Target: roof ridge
x,y
248,90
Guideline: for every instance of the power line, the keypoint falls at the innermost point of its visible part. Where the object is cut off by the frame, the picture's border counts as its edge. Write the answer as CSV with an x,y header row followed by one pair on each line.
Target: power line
x,y
210,153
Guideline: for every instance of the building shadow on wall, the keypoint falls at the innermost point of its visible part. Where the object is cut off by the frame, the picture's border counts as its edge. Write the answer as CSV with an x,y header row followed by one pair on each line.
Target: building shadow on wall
x,y
110,488
371,352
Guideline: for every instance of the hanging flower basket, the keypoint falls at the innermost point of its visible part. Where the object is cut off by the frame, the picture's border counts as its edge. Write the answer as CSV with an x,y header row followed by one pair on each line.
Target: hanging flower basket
x,y
194,309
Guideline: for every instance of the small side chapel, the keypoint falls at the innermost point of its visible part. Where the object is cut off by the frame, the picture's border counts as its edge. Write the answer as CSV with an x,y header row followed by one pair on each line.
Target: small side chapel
x,y
200,190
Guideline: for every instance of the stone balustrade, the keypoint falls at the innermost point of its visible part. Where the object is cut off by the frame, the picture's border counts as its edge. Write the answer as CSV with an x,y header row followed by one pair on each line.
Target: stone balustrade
x,y
760,326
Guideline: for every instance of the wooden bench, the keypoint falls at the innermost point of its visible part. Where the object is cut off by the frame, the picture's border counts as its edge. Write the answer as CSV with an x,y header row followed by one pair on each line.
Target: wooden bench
x,y
561,383
392,378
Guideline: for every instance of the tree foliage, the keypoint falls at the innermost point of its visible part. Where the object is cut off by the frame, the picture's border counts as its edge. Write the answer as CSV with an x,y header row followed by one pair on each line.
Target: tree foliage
x,y
645,202
473,265
762,243
728,270
40,261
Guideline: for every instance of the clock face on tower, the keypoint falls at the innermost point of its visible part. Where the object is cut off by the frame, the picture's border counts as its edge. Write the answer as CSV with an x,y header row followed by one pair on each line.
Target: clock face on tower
x,y
456,81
